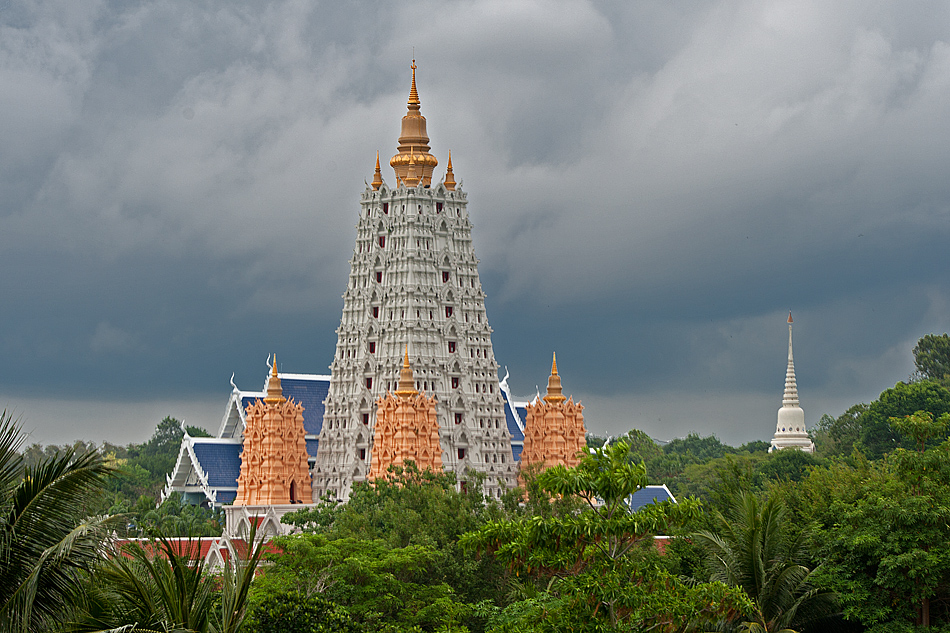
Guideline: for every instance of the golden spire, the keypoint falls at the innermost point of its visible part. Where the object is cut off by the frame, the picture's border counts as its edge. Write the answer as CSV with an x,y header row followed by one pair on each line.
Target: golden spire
x,y
407,384
378,176
449,176
413,136
275,394
554,385
789,316
413,93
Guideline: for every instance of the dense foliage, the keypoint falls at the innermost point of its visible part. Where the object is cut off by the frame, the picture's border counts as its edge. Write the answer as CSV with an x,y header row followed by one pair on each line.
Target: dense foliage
x,y
852,538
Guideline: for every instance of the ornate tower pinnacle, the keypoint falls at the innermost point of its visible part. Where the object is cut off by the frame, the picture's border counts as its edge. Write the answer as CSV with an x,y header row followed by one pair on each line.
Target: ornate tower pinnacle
x,y
413,135
275,395
554,394
791,386
407,385
554,428
449,176
790,431
378,176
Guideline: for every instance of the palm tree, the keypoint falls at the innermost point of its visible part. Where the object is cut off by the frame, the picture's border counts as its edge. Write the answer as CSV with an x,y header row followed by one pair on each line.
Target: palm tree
x,y
163,584
752,546
46,539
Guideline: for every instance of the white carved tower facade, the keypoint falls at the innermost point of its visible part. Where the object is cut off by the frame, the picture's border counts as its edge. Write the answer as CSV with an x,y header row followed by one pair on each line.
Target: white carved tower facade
x,y
414,282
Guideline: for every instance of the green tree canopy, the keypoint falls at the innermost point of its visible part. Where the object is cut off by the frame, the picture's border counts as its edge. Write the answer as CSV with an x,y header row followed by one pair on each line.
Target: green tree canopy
x,y
887,529
599,565
932,358
878,436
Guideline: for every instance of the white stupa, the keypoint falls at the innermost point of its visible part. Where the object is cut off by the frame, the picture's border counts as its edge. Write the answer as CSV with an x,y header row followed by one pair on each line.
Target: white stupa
x,y
790,431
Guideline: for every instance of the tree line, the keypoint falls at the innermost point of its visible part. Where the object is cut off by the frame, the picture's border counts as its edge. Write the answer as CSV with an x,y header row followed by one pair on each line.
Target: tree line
x,y
852,538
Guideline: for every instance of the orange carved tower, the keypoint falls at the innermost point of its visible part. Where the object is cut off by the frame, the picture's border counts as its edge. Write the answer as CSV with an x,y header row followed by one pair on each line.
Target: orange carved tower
x,y
274,462
406,428
554,428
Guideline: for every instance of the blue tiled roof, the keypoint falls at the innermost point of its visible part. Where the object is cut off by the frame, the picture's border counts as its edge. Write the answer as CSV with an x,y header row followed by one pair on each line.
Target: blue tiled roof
x,y
648,495
221,462
513,430
312,447
516,451
311,394
226,496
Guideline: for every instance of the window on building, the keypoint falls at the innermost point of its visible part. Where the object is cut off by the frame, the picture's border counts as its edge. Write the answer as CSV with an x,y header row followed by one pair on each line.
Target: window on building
x,y
461,453
379,277
375,312
448,311
382,241
451,347
458,418
363,453
386,208
369,383
445,276
438,207
455,382
372,347
365,418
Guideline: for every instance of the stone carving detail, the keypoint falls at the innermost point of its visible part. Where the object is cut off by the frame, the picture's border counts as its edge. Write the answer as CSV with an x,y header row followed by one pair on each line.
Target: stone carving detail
x,y
274,461
406,428
554,428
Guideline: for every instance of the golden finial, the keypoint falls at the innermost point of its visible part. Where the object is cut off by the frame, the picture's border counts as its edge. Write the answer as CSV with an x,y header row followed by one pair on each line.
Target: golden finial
x,y
274,392
407,384
378,176
789,316
413,93
554,385
449,176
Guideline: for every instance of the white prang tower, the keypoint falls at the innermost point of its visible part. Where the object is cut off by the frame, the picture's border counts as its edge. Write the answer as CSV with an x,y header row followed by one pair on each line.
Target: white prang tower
x,y
790,429
414,282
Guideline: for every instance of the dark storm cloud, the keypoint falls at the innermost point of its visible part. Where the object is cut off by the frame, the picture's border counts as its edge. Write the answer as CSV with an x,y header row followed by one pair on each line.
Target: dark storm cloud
x,y
652,188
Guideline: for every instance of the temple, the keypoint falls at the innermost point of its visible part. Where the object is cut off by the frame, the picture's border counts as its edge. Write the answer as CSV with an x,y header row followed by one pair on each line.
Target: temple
x,y
554,428
414,283
790,431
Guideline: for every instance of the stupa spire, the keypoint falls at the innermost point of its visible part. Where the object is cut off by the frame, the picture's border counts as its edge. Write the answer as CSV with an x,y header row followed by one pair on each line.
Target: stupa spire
x,y
378,176
449,176
414,143
790,398
275,394
790,430
407,384
554,385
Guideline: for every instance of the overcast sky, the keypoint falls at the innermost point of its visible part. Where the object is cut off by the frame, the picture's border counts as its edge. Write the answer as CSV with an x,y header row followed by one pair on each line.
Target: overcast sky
x,y
653,186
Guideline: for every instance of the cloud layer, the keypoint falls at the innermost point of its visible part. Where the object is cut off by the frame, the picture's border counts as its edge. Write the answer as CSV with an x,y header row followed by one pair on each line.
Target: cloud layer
x,y
653,187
